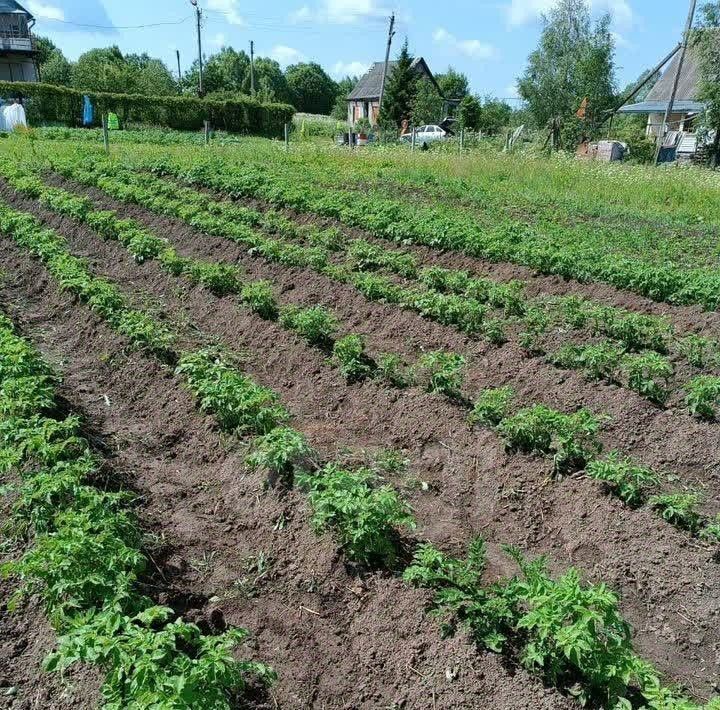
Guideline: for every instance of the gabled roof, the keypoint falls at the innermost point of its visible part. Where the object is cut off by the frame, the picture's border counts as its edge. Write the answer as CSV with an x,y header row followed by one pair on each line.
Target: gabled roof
x,y
686,98
369,85
688,86
10,6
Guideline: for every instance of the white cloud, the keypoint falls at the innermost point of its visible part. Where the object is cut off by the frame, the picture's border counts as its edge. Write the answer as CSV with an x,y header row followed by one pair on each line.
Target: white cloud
x,y
302,14
343,69
511,92
620,40
219,40
473,48
229,8
286,55
521,12
45,12
341,12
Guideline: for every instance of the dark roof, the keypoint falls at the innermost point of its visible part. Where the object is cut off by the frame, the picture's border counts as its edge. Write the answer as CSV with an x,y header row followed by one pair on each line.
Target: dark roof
x,y
8,6
661,106
686,98
687,86
369,85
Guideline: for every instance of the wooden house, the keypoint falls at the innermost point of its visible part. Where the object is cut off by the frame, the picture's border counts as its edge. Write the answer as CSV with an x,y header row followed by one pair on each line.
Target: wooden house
x,y
18,60
364,99
686,106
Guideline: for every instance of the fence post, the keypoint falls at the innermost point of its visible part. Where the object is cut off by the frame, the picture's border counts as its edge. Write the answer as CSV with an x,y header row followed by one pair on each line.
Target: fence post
x,y
462,139
106,137
207,132
412,140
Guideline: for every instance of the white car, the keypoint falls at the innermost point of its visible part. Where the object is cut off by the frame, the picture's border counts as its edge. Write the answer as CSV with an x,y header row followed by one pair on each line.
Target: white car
x,y
425,135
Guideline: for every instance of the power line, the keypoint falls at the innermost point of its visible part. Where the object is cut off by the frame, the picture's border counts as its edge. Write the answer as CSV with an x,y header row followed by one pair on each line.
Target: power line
x,y
113,27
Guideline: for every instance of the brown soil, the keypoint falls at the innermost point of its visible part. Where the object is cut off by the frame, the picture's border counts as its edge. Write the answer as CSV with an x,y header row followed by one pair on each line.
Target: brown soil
x,y
685,318
668,582
336,639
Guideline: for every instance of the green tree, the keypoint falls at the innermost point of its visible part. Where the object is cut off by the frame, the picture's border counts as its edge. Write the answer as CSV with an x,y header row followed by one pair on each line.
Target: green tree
x,y
427,105
270,82
54,67
345,86
104,70
311,89
495,116
706,45
151,76
574,61
453,84
400,90
470,113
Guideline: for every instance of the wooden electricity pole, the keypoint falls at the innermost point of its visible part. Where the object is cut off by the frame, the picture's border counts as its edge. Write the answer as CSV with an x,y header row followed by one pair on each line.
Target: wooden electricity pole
x,y
391,32
252,68
676,81
177,54
198,14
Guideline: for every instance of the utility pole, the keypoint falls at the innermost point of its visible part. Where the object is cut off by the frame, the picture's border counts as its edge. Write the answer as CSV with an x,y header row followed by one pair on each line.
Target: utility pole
x,y
252,68
177,54
391,32
200,66
683,49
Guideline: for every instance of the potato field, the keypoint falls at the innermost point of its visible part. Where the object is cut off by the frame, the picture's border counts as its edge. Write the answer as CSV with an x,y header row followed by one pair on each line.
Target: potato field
x,y
358,429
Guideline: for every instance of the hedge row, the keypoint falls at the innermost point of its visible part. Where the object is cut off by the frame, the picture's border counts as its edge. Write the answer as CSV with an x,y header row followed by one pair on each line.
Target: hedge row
x,y
59,104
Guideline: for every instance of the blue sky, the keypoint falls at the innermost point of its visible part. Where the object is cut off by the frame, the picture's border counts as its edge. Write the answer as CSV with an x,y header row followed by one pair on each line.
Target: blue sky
x,y
488,40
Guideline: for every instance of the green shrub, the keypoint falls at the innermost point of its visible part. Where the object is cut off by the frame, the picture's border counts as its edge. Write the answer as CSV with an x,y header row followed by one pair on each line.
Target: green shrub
x,y
349,355
572,439
600,362
261,299
392,369
234,399
442,372
280,452
648,374
679,509
315,324
698,351
625,478
365,517
703,396
492,406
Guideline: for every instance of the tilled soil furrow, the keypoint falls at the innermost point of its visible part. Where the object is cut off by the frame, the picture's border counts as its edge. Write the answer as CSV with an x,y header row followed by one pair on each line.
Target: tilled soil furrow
x,y
474,487
337,640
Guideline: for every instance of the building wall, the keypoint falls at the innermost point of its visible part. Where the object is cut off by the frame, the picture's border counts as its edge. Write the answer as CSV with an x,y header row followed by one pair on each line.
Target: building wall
x,y
17,68
676,122
358,109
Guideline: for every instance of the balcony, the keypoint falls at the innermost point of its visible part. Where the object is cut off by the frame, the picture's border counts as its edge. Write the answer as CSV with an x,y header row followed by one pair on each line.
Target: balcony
x,y
17,44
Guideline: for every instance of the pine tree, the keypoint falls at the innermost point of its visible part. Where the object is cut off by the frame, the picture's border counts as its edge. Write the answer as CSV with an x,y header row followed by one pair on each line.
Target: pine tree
x,y
400,90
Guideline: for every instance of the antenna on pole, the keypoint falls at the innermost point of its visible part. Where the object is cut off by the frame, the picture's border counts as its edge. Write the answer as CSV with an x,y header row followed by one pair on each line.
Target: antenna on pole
x,y
676,81
391,32
198,14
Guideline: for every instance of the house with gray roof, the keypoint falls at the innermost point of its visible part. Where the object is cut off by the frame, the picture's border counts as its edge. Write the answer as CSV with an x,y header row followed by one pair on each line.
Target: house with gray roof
x,y
364,99
17,45
686,106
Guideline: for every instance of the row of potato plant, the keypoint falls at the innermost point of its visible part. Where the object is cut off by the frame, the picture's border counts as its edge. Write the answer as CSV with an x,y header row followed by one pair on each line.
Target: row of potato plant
x,y
315,324
648,373
572,440
84,554
366,518
449,228
363,520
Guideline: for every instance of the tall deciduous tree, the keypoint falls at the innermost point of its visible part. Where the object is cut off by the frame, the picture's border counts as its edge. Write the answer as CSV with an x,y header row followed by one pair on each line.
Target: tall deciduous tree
x,y
453,84
428,104
706,45
340,108
574,61
312,90
400,90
